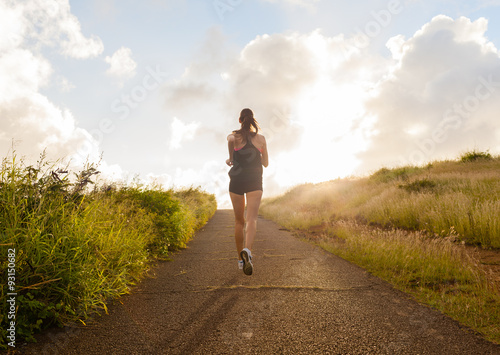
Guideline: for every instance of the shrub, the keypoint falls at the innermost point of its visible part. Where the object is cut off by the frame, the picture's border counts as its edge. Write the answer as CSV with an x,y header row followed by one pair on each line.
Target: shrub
x,y
388,175
475,155
423,185
79,245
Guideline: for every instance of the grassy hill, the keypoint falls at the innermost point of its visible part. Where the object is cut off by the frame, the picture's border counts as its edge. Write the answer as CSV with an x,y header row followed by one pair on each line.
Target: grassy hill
x,y
414,227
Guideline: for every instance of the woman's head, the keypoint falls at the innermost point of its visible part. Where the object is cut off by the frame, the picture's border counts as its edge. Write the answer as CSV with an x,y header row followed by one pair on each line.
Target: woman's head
x,y
248,122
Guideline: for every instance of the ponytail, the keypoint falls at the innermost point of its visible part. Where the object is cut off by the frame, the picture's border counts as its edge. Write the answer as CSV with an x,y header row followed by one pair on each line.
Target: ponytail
x,y
249,125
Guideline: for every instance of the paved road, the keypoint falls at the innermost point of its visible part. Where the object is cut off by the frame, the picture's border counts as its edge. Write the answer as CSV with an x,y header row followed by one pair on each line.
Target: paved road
x,y
300,300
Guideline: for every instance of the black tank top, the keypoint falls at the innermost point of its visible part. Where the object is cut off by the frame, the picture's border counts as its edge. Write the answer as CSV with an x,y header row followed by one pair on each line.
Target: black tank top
x,y
247,163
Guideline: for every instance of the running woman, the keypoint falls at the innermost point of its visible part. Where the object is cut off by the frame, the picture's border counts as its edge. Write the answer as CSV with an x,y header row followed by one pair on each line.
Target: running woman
x,y
247,155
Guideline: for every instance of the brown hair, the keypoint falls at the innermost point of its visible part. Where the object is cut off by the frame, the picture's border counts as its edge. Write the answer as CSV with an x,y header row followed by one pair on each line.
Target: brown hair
x,y
249,125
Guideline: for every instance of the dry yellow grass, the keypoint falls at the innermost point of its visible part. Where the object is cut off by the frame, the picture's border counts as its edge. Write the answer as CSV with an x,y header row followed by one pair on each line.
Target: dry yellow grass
x,y
443,197
410,226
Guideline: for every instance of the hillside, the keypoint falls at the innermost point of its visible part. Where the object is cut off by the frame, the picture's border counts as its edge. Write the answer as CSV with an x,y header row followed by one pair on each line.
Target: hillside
x,y
431,231
458,199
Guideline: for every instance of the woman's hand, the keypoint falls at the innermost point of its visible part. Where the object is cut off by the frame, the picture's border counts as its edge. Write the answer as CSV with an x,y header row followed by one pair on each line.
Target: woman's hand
x,y
229,162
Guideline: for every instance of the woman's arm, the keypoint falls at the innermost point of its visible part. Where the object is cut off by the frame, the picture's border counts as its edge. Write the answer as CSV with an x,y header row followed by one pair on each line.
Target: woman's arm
x,y
230,147
265,155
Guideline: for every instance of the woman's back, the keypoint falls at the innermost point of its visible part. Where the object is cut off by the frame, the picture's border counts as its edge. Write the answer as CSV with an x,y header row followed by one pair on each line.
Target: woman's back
x,y
247,162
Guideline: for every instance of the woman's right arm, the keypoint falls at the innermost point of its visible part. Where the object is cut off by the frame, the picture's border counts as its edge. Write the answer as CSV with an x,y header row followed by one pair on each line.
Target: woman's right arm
x,y
230,146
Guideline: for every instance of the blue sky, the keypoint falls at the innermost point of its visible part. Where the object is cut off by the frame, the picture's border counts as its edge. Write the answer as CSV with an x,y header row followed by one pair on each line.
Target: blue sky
x,y
339,88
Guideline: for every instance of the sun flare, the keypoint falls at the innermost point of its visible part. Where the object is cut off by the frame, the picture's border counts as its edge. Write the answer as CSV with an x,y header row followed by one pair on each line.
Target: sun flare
x,y
333,130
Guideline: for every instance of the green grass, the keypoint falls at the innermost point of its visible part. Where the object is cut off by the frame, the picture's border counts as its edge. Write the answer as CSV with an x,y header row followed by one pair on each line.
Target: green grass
x,y
79,245
409,226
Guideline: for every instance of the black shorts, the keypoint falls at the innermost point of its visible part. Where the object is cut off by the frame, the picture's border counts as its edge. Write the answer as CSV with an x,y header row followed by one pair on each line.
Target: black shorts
x,y
241,187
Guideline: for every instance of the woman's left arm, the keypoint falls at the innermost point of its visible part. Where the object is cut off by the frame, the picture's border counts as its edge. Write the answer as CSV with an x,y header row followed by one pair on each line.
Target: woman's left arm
x,y
265,155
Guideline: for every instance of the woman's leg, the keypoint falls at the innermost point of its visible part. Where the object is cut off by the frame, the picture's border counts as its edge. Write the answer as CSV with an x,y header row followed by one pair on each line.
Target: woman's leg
x,y
253,204
239,216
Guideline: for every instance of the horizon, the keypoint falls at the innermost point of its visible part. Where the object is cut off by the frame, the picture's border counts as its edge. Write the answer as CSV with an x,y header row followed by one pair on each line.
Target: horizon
x,y
339,90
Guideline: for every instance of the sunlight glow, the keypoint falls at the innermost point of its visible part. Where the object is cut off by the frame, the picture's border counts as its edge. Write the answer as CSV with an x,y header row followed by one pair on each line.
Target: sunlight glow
x,y
332,134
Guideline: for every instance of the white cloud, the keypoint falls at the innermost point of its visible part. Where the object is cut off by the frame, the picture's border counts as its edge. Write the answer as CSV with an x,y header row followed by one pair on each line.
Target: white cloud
x,y
122,66
35,124
51,23
12,27
211,176
438,86
330,108
23,73
181,132
65,85
29,118
306,91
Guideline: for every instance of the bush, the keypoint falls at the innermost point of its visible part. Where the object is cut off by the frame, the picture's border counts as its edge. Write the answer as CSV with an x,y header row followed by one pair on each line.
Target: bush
x,y
78,245
475,155
422,185
388,175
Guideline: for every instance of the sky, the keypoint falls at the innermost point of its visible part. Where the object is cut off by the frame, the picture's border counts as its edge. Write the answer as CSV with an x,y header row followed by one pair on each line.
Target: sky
x,y
152,88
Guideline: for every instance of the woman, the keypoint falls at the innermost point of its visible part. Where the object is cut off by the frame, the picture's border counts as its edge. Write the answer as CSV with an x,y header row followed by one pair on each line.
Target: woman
x,y
247,155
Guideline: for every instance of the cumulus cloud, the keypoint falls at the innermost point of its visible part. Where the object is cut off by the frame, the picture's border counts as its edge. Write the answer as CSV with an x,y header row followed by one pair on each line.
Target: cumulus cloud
x,y
441,96
121,64
36,124
52,24
270,74
330,108
181,132
30,122
296,85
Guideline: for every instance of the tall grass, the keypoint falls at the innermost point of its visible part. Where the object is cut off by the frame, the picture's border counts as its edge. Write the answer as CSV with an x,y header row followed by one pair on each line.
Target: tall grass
x,y
463,197
434,270
410,226
79,245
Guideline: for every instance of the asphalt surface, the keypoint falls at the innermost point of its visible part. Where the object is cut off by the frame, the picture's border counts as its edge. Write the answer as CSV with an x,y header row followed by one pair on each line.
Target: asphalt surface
x,y
300,300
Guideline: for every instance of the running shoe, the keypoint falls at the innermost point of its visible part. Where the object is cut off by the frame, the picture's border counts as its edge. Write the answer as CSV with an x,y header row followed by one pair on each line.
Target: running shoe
x,y
246,255
240,264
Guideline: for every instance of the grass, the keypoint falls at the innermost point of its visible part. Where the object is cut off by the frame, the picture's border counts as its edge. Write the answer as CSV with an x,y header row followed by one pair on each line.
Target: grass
x,y
410,226
439,198
79,245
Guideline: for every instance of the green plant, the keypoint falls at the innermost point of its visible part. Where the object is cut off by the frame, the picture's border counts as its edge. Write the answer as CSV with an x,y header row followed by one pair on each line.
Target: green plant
x,y
79,245
475,155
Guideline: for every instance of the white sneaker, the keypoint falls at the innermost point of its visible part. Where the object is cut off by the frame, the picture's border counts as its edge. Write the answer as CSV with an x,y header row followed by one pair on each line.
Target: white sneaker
x,y
246,255
240,264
